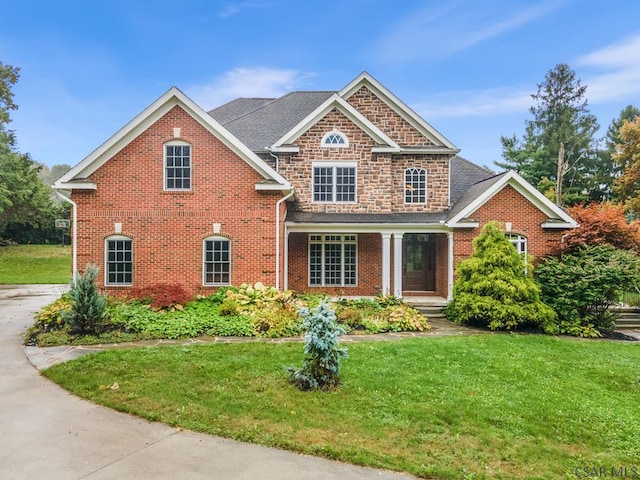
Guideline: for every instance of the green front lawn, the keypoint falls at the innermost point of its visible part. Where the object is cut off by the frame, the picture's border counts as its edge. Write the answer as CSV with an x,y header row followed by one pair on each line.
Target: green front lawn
x,y
487,406
34,264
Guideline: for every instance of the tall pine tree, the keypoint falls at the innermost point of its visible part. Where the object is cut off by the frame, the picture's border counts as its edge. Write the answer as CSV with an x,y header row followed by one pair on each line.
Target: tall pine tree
x,y
558,146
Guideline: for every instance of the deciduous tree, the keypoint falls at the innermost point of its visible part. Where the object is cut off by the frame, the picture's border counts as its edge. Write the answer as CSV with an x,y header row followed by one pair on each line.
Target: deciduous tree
x,y
601,224
627,156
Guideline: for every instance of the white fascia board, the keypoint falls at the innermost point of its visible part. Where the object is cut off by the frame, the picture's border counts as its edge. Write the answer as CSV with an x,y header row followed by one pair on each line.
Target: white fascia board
x,y
284,149
427,150
273,187
334,101
365,79
150,115
558,225
74,186
463,224
525,189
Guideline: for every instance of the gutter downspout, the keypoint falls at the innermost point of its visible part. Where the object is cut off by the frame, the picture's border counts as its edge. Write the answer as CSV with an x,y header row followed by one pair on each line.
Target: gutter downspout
x,y
278,203
74,235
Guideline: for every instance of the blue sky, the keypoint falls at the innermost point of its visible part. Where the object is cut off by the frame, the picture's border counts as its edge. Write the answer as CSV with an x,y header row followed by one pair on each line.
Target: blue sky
x,y
467,66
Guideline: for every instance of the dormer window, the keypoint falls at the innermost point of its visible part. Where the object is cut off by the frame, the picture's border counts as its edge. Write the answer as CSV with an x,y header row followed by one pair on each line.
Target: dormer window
x,y
335,139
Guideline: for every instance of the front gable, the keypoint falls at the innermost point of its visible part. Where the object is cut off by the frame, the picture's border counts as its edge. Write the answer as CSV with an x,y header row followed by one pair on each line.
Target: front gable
x,y
394,117
555,217
287,143
77,177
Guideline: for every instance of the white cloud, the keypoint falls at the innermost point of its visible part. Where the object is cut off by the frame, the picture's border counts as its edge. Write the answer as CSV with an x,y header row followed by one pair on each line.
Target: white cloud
x,y
618,71
492,102
247,82
449,27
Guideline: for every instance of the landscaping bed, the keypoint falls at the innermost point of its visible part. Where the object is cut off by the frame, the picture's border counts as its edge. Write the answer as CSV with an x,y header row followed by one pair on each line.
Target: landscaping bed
x,y
163,312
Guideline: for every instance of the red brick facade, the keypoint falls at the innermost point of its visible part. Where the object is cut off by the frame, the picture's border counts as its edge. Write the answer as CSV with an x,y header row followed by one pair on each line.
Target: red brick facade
x,y
509,206
168,228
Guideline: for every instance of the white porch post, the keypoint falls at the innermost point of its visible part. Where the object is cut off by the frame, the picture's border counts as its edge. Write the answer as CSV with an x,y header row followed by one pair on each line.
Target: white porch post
x,y
450,265
397,264
386,263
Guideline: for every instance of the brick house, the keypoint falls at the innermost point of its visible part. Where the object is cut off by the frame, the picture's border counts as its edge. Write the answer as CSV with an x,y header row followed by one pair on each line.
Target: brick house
x,y
347,192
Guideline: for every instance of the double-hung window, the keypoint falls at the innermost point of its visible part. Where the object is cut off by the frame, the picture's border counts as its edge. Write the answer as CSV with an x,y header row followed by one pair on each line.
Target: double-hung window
x,y
217,261
415,185
334,182
119,260
332,260
177,166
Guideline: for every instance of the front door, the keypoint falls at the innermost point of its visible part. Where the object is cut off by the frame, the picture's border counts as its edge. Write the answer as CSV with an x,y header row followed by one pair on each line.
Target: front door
x,y
419,262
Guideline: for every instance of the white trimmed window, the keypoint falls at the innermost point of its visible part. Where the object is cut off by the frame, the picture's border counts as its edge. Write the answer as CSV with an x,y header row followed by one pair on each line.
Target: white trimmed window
x,y
333,260
177,166
334,139
216,269
334,182
415,185
519,242
118,260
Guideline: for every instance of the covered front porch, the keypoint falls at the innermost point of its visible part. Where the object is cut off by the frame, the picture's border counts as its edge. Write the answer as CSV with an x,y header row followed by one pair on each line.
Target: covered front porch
x,y
365,259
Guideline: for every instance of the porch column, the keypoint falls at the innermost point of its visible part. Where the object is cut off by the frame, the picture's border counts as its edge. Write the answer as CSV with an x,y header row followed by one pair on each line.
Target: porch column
x,y
386,263
397,264
450,265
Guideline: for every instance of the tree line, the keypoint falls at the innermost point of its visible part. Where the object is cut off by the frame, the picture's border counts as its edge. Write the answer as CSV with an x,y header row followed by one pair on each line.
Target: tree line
x,y
28,205
560,155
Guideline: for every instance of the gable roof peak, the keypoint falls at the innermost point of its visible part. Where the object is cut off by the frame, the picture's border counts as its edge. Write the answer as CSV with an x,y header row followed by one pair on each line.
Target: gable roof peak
x,y
365,79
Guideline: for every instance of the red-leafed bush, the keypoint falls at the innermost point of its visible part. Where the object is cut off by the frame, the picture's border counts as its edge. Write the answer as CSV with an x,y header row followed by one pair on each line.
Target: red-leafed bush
x,y
601,224
161,296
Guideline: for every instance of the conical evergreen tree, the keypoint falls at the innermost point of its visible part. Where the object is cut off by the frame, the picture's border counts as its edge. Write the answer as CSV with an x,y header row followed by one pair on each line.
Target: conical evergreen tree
x,y
494,287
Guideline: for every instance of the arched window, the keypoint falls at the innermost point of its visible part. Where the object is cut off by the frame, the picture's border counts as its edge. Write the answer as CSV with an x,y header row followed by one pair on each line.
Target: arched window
x,y
118,260
415,185
335,139
216,267
177,165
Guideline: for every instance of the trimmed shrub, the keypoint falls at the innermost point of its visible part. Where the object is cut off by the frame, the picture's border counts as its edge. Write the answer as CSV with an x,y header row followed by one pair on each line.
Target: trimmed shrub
x,y
321,368
582,285
161,296
87,312
493,288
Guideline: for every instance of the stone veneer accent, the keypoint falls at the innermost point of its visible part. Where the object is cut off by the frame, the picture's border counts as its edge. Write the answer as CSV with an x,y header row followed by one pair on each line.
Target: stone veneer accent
x,y
386,119
380,177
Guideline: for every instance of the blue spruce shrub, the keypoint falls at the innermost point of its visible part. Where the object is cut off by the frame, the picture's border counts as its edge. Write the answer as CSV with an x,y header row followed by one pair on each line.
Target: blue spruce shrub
x,y
321,368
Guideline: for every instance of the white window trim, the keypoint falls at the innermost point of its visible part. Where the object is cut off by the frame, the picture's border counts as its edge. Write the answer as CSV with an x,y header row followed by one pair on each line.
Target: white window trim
x,y
323,143
322,257
204,259
405,186
171,143
106,261
517,241
334,165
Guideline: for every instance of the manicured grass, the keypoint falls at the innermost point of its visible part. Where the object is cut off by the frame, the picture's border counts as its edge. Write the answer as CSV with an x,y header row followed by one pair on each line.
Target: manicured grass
x,y
486,406
33,264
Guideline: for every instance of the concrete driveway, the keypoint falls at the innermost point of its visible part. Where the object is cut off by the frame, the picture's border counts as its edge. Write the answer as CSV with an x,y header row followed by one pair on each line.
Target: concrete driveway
x,y
47,433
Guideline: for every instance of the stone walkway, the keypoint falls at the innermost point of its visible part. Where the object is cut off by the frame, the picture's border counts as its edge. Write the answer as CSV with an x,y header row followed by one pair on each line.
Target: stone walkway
x,y
45,357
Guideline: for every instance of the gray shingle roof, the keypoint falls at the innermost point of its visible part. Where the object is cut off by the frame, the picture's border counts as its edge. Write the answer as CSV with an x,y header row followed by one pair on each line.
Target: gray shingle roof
x,y
260,126
237,108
